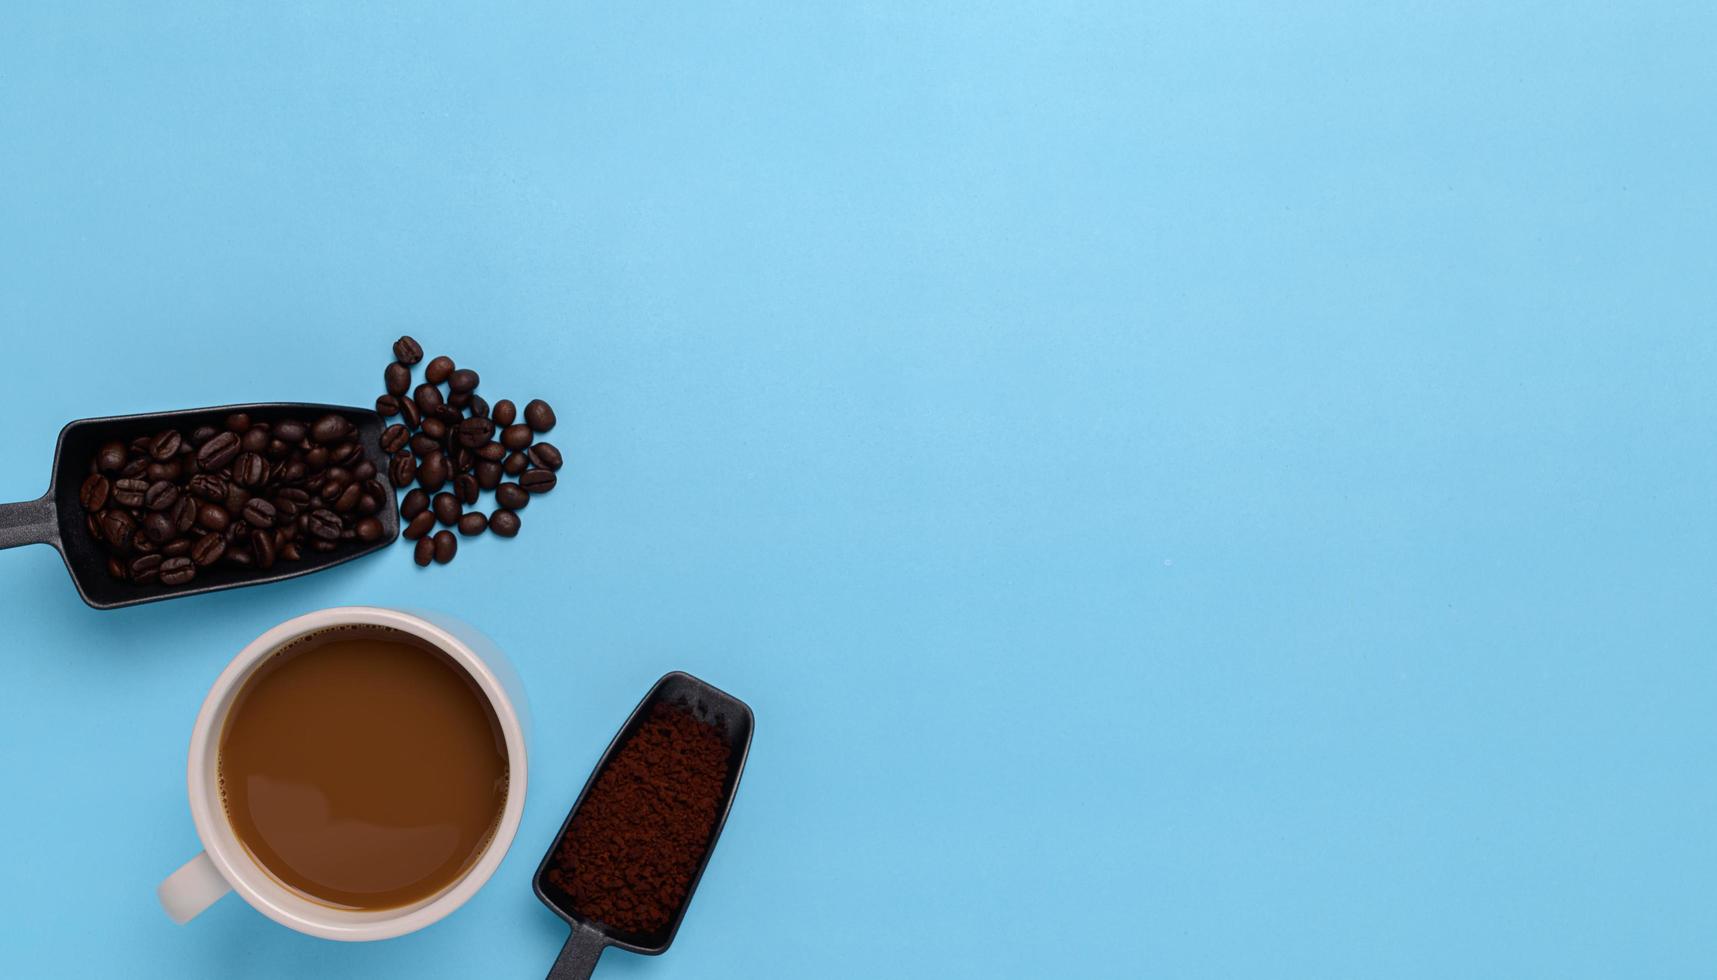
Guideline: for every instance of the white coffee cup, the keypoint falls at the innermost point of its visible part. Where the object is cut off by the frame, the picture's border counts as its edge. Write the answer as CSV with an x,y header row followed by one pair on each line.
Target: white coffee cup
x,y
225,865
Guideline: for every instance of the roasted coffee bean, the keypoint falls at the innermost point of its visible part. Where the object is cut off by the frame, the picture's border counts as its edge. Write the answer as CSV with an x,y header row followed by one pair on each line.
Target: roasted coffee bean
x,y
330,428
161,495
494,452
144,568
475,431
262,548
118,528
178,571
394,438
142,545
539,415
324,524
136,467
408,412
158,527
424,553
407,351
250,470
465,488
255,440
165,445
402,469
316,459
202,434
214,517
277,449
345,453
115,567
479,408
463,380
545,456
415,503
488,475
438,369
208,549
238,556
348,499
129,492
446,508
238,422
364,470
294,497
259,513
504,522
434,428
515,464
396,378
92,524
511,496
516,437
209,486
387,406
473,524
537,481
427,396
446,546
290,552
290,431
504,412
423,445
458,399
170,471
185,514
448,415
368,529
110,457
218,451
432,472
93,493
237,497
176,547
418,526
368,503
373,487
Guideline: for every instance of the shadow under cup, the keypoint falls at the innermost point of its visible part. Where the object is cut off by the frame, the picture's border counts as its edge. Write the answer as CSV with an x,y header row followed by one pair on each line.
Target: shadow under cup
x,y
355,774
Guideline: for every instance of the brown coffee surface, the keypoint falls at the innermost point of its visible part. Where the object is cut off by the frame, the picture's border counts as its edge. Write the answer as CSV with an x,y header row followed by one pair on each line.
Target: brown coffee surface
x,y
363,768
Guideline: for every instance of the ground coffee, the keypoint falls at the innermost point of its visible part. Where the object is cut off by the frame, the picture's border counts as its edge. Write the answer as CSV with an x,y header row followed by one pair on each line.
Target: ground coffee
x,y
635,843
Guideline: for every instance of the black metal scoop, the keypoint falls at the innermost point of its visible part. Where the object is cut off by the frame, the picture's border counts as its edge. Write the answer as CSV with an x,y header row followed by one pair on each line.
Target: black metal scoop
x,y
57,518
590,937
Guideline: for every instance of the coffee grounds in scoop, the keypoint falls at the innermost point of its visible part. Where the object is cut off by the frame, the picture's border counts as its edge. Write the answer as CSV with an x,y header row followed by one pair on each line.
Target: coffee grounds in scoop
x,y
630,854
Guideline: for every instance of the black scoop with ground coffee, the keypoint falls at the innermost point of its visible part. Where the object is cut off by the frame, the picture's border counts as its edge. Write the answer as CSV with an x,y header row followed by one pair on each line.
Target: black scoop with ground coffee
x,y
170,504
625,863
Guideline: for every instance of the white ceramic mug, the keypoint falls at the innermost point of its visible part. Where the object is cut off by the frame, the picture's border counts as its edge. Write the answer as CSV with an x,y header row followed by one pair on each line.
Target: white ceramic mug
x,y
225,865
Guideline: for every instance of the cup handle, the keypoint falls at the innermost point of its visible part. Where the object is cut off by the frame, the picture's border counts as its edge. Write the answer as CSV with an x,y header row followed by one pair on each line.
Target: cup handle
x,y
192,888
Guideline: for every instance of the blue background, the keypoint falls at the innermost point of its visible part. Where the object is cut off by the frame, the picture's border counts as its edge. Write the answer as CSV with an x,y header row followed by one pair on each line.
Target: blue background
x,y
1190,490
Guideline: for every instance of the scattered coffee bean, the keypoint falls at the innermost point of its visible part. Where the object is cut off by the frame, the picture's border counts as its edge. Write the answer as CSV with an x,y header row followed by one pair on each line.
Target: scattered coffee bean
x,y
511,496
473,524
494,452
516,464
396,379
427,397
438,369
435,429
446,545
488,475
465,488
504,522
408,411
504,412
462,381
387,406
539,415
475,432
446,508
415,503
478,407
394,438
544,455
516,437
419,525
537,481
407,351
432,472
424,553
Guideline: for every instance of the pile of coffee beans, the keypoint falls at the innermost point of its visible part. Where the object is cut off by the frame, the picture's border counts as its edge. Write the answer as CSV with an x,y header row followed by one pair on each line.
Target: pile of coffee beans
x,y
454,445
245,494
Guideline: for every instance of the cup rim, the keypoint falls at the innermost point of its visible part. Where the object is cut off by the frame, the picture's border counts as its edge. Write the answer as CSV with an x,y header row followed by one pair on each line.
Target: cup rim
x,y
256,885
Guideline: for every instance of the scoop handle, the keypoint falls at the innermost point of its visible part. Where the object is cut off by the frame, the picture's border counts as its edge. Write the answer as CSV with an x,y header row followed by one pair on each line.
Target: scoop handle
x,y
577,959
29,522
